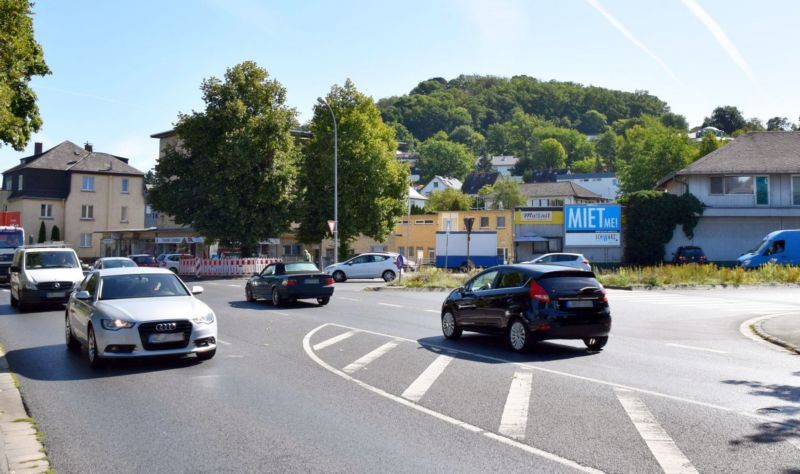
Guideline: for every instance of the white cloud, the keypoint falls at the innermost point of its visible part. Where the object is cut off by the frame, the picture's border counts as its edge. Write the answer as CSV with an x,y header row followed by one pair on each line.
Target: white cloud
x,y
719,34
633,39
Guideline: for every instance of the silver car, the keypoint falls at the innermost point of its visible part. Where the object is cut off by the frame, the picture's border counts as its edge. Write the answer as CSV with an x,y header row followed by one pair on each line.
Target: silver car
x,y
574,260
135,312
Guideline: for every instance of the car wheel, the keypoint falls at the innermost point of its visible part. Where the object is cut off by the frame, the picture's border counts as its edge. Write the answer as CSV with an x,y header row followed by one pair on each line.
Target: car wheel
x,y
21,305
323,300
388,276
248,293
13,300
518,337
207,355
339,276
72,343
94,358
595,343
450,329
276,297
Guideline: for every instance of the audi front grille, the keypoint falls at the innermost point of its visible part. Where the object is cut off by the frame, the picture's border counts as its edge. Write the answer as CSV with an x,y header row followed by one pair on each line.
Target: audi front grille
x,y
147,329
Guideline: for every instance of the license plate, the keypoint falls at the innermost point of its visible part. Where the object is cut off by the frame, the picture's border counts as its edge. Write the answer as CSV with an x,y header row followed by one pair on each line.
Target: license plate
x,y
56,294
310,281
167,337
580,304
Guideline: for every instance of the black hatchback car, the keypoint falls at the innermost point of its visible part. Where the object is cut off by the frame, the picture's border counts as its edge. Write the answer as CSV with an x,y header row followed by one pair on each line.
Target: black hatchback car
x,y
530,302
689,254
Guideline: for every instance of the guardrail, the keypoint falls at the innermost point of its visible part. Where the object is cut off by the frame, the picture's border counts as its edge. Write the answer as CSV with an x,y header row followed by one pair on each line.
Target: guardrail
x,y
200,267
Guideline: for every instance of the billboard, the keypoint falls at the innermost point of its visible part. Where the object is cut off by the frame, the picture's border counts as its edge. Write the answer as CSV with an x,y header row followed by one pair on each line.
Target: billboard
x,y
592,225
539,216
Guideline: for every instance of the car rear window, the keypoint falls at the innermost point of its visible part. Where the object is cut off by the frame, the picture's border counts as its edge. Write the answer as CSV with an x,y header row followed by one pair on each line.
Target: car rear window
x,y
143,259
568,282
301,268
693,252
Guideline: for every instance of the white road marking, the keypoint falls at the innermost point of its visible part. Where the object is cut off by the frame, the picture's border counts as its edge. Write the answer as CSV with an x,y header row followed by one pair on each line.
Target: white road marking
x,y
432,311
334,340
224,343
235,356
346,298
793,441
280,313
363,361
448,419
694,348
515,413
5,290
234,286
419,387
391,305
747,332
666,452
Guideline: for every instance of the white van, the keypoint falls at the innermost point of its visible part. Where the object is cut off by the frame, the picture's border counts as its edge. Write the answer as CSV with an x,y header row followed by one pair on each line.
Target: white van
x,y
43,275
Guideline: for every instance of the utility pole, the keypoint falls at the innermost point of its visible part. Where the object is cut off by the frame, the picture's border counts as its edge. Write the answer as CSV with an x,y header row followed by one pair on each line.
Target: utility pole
x,y
468,221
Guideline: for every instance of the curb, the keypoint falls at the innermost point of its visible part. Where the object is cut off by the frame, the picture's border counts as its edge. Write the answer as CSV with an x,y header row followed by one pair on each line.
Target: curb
x,y
759,331
20,447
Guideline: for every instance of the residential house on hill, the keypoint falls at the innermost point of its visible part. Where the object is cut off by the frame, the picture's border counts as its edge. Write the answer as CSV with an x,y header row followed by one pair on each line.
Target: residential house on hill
x,y
440,183
750,187
477,180
504,164
604,184
81,191
557,194
415,198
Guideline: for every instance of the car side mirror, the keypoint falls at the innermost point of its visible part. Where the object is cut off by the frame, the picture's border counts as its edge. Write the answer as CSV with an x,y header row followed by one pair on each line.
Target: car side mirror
x,y
197,289
14,269
83,295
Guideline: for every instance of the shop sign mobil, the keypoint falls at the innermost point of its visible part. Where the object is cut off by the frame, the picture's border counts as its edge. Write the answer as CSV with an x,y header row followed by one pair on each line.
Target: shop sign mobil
x,y
539,216
597,225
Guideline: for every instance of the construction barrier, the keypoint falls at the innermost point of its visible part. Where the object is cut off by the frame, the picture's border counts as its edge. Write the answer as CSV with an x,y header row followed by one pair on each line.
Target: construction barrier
x,y
227,267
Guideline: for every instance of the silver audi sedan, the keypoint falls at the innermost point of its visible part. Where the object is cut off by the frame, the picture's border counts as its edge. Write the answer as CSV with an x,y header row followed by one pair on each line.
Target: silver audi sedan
x,y
139,311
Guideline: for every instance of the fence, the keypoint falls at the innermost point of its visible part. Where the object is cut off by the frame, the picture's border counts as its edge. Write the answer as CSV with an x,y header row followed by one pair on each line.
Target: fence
x,y
199,267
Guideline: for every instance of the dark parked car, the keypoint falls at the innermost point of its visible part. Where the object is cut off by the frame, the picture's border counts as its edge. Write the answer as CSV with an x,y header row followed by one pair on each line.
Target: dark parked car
x,y
530,302
144,260
280,282
689,254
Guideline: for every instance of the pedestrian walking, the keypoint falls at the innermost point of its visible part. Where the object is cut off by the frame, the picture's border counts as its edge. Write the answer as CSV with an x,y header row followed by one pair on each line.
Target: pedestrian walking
x,y
306,255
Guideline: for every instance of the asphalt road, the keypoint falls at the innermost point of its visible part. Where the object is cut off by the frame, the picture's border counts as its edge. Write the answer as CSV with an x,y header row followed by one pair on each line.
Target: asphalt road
x,y
368,384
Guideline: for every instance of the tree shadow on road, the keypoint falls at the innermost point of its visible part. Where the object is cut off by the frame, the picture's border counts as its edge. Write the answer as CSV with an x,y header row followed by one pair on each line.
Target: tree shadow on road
x,y
773,432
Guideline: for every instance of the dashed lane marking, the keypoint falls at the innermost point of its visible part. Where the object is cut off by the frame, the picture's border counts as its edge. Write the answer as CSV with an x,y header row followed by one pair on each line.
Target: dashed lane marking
x,y
448,419
694,348
515,412
234,286
224,343
432,311
391,305
334,340
669,456
420,386
365,360
346,298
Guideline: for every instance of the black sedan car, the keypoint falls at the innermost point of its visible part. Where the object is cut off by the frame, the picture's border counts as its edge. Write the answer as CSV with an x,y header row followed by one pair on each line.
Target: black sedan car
x,y
530,302
280,282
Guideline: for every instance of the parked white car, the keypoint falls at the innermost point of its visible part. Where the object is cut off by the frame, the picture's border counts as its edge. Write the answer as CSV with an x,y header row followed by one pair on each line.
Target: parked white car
x,y
574,260
172,261
365,265
135,312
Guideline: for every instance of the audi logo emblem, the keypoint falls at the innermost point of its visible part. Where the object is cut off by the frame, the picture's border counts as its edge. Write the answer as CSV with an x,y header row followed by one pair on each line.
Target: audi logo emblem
x,y
161,327
56,285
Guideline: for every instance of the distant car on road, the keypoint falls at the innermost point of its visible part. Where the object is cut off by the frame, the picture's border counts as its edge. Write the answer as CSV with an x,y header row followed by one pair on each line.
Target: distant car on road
x,y
134,312
689,254
530,302
144,260
172,261
408,264
113,262
574,260
280,282
366,265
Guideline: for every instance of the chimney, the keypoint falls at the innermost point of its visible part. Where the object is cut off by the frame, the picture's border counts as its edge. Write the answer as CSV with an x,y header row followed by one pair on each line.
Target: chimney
x,y
87,146
37,148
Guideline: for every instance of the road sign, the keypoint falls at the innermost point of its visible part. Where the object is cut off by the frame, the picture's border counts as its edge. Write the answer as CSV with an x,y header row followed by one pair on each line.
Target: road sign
x,y
332,226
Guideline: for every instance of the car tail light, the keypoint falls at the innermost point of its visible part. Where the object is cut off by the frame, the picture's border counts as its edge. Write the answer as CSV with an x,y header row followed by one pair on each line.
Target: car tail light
x,y
329,281
585,262
539,293
289,283
604,299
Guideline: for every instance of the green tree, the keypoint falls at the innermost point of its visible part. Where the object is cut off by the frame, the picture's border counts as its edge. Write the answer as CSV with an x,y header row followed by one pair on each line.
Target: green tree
x,y
448,200
587,165
708,143
55,233
233,177
484,164
372,185
727,118
42,233
592,122
551,155
675,121
606,147
780,124
503,194
467,136
21,58
439,156
650,153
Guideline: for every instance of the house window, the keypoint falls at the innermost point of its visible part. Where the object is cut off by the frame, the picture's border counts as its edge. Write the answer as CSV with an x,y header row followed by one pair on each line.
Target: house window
x,y
87,212
762,190
501,222
124,186
738,185
291,250
796,190
484,222
87,183
124,214
19,183
555,202
401,250
46,211
435,184
86,240
7,183
716,185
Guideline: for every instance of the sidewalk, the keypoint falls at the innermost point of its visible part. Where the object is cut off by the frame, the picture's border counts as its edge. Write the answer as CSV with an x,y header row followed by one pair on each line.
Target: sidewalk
x,y
782,330
20,449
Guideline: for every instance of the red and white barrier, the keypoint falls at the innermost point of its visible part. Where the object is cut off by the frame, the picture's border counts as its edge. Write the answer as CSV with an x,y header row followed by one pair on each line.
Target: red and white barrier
x,y
227,267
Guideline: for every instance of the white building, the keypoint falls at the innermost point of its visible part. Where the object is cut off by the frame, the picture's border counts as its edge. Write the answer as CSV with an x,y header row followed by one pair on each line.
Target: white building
x,y
604,184
416,199
440,183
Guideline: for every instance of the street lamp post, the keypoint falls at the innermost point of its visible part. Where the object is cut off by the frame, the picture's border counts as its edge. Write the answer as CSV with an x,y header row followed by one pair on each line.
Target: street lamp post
x,y
335,181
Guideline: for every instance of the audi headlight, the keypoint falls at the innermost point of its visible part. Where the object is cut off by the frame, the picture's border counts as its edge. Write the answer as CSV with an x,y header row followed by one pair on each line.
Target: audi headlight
x,y
115,324
207,318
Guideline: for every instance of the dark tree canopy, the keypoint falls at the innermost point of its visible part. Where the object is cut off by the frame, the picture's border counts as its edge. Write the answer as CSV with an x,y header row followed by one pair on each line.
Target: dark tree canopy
x,y
727,118
21,58
233,175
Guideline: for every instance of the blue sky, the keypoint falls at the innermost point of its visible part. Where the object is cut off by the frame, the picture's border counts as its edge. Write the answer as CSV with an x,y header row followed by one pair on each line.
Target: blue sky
x,y
124,70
